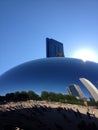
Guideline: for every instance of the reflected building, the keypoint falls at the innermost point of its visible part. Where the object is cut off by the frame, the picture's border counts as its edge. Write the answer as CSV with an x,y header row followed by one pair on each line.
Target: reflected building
x,y
51,74
75,91
54,48
91,88
48,74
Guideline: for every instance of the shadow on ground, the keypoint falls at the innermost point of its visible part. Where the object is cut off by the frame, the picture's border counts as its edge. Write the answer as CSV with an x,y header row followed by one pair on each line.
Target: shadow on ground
x,y
46,118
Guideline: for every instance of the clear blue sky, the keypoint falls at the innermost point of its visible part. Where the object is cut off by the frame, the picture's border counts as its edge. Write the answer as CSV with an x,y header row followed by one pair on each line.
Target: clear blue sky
x,y
25,24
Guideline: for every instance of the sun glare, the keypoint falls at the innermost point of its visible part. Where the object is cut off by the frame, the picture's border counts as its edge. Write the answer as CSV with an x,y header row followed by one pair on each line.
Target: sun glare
x,y
86,55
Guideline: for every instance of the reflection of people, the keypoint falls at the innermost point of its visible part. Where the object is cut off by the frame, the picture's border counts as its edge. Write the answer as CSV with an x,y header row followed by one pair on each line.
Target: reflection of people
x,y
88,109
85,103
93,113
88,114
78,112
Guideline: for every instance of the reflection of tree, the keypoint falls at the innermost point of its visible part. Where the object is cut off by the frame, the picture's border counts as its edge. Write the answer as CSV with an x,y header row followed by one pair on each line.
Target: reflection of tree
x,y
9,96
49,96
44,95
19,96
32,95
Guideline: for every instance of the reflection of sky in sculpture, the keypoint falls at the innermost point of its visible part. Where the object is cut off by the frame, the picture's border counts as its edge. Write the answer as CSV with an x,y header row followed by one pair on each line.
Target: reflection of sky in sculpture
x,y
50,74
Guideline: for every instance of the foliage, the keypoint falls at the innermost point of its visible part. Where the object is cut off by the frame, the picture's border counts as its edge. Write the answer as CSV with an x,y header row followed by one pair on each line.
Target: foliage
x,y
49,96
44,95
92,103
19,96
9,97
33,95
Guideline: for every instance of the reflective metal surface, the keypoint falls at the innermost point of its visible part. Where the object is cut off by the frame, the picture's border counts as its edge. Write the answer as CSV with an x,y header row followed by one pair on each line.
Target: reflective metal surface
x,y
50,74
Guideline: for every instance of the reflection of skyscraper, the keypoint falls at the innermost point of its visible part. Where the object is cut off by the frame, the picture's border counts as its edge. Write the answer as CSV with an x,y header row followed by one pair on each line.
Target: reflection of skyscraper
x,y
91,88
75,91
54,48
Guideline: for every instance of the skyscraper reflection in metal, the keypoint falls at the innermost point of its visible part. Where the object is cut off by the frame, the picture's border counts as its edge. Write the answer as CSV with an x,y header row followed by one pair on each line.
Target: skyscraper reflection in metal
x,y
75,91
91,88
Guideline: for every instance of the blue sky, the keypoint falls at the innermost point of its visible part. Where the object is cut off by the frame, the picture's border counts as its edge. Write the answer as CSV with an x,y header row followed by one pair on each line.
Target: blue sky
x,y
25,24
